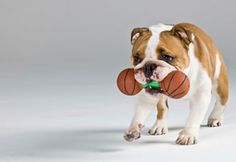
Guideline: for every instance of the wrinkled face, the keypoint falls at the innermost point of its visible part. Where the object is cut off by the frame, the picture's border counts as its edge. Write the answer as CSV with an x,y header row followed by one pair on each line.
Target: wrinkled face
x,y
156,52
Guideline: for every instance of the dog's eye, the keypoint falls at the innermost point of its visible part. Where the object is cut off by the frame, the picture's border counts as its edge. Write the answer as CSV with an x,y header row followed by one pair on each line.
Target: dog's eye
x,y
167,58
137,59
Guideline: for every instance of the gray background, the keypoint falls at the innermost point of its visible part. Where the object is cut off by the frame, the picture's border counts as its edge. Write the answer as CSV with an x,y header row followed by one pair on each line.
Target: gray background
x,y
59,60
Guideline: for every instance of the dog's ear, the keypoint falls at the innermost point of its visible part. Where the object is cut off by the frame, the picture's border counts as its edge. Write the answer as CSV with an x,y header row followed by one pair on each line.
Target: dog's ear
x,y
184,34
138,32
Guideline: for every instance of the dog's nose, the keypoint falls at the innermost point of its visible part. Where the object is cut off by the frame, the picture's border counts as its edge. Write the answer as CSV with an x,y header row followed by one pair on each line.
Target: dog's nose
x,y
148,70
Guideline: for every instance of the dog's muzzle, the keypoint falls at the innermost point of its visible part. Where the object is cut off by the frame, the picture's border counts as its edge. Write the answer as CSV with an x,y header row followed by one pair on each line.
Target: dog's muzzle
x,y
148,69
152,70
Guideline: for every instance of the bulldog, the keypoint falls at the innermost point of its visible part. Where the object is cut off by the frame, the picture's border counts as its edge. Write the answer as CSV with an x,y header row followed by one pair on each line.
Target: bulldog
x,y
160,49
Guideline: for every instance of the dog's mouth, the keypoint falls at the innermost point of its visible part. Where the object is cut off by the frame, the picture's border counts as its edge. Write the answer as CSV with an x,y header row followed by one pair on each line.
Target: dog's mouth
x,y
153,91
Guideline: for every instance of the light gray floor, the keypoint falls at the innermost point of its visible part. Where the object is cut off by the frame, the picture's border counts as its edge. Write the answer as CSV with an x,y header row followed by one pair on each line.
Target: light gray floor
x,y
59,60
71,123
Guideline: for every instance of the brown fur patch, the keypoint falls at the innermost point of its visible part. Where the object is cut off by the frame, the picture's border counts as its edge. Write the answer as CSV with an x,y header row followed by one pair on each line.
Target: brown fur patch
x,y
140,44
161,108
223,83
171,45
205,50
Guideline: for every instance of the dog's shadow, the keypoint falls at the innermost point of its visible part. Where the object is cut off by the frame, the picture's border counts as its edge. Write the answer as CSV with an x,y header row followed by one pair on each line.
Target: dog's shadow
x,y
62,143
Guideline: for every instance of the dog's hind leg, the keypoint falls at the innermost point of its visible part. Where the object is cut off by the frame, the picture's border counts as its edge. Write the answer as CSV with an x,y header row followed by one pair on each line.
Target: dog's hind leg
x,y
221,91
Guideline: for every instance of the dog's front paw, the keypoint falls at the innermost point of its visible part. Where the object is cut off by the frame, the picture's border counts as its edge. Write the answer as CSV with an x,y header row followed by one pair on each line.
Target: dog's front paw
x,y
214,122
159,128
132,135
158,131
187,138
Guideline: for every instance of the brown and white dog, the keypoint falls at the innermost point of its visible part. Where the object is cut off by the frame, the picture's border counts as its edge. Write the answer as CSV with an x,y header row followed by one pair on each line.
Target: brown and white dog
x,y
160,49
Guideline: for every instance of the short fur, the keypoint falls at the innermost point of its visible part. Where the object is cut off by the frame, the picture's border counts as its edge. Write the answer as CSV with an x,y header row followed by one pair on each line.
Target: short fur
x,y
197,56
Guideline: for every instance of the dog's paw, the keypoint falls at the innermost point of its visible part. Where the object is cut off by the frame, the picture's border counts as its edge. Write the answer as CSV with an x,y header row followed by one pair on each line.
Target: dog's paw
x,y
159,128
187,138
158,131
214,123
132,135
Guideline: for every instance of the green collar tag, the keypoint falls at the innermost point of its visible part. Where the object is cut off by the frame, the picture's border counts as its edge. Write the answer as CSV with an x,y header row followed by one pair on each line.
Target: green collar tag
x,y
152,84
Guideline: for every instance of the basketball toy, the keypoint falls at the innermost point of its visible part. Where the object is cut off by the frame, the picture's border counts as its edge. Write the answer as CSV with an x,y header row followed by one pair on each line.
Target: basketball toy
x,y
176,84
127,83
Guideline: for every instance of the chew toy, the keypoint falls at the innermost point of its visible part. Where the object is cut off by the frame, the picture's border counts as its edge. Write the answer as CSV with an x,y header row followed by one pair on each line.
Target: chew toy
x,y
176,84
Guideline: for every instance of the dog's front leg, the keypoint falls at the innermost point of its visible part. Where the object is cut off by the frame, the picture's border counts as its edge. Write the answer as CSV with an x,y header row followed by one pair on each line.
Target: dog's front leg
x,y
198,106
143,108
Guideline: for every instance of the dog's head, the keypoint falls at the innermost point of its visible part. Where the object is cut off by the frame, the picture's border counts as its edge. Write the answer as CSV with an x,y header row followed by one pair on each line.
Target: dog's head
x,y
158,50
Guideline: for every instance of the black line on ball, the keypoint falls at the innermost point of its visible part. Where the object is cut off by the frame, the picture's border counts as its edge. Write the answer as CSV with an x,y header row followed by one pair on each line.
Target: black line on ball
x,y
179,94
170,82
125,81
179,85
134,86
